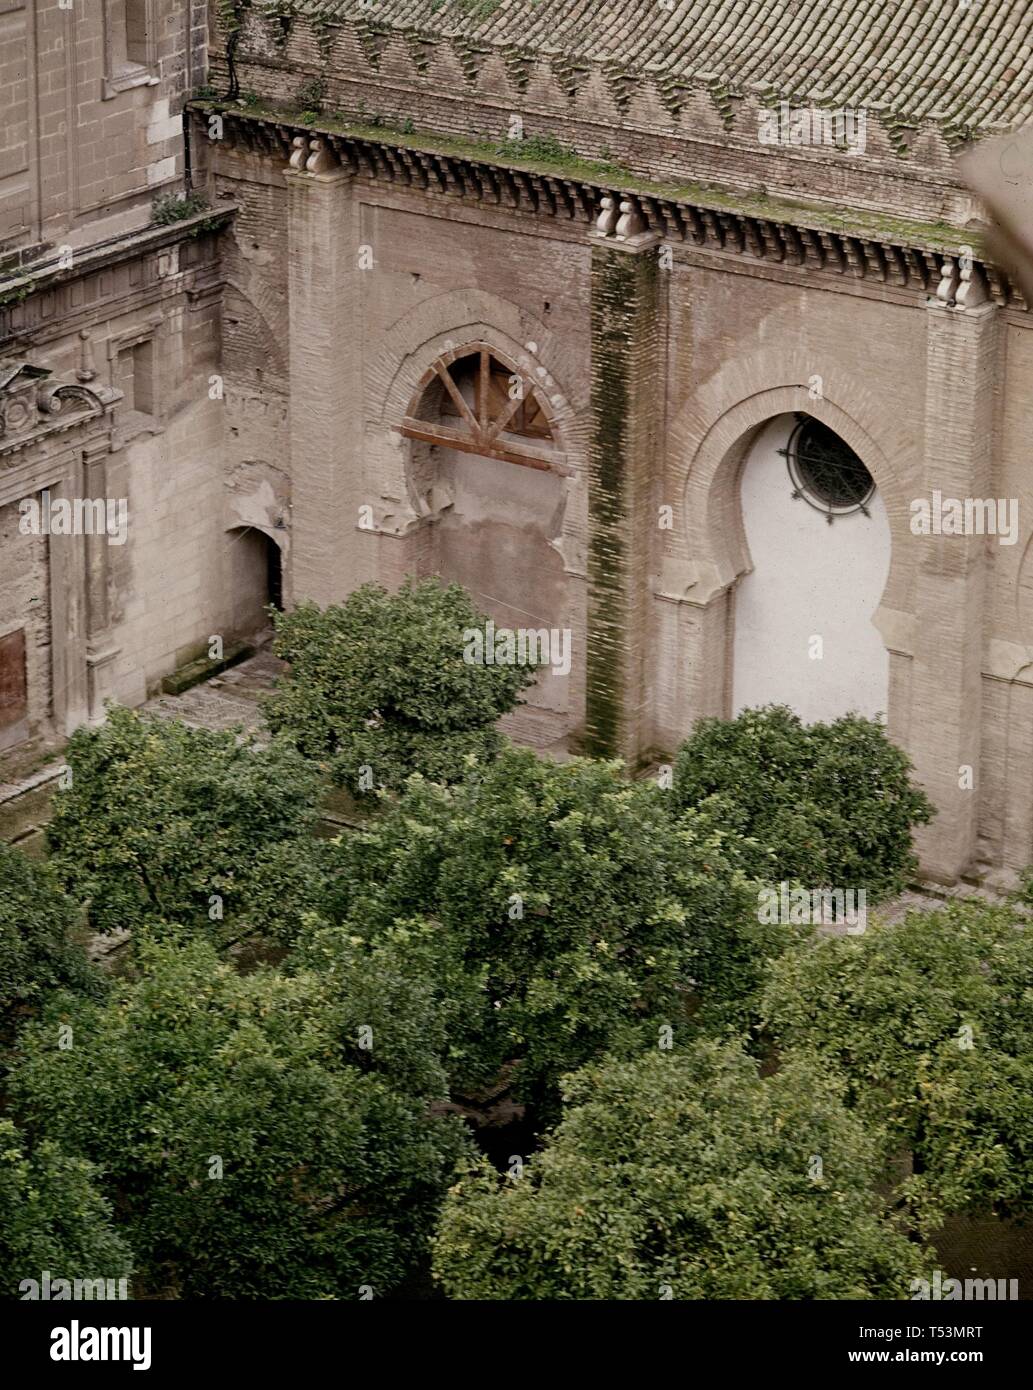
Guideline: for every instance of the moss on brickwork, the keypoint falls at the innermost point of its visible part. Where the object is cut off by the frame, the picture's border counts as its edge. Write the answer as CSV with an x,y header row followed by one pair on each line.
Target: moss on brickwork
x,y
614,300
857,222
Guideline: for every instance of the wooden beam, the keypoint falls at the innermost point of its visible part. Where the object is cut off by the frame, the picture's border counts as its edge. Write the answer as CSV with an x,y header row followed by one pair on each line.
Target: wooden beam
x,y
515,402
448,439
483,383
456,394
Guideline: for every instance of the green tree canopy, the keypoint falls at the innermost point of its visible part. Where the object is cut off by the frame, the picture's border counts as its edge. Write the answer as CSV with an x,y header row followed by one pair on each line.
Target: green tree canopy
x,y
52,1217
38,948
930,1021
825,804
684,1175
567,913
255,1145
168,822
379,684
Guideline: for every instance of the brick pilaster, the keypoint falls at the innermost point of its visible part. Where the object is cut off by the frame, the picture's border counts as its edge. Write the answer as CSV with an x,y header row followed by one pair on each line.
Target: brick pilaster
x,y
626,396
951,582
325,384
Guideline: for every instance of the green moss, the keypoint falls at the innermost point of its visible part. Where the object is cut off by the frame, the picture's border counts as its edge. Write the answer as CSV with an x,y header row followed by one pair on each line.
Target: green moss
x,y
19,291
202,668
545,155
614,301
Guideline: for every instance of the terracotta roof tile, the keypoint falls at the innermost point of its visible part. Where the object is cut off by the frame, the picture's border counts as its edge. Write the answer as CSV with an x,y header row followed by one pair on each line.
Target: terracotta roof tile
x,y
963,68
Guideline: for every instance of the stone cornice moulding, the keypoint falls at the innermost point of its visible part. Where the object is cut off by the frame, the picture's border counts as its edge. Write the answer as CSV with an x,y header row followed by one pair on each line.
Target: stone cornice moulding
x,y
773,234
50,271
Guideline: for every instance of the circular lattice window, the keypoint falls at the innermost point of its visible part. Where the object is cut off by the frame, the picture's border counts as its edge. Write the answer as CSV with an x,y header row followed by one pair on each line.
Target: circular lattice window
x,y
827,473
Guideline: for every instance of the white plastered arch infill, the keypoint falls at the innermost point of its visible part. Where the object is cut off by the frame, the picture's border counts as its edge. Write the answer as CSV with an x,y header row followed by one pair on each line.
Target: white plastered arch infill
x,y
710,441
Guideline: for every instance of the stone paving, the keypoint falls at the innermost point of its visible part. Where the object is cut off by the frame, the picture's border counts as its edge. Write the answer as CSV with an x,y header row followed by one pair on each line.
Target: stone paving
x,y
226,701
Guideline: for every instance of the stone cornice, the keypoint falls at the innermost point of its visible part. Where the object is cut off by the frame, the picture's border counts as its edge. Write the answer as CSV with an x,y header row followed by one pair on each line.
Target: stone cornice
x,y
52,270
909,256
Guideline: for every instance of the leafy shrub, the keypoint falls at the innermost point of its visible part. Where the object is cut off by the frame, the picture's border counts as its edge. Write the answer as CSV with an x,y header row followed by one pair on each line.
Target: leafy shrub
x,y
176,207
829,805
310,95
930,1021
52,1217
250,1148
683,1174
380,683
161,818
566,913
38,950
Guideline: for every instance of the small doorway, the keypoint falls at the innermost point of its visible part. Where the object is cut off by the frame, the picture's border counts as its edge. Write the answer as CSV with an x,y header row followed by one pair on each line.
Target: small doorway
x,y
255,580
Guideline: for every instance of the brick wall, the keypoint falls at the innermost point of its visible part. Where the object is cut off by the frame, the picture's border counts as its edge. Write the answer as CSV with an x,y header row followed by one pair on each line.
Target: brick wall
x,y
706,140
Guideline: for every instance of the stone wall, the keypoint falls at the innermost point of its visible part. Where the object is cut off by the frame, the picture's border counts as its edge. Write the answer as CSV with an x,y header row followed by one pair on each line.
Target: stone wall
x,y
93,132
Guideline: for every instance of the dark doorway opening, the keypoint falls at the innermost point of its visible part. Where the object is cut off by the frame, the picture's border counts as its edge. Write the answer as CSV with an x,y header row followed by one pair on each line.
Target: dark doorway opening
x,y
274,574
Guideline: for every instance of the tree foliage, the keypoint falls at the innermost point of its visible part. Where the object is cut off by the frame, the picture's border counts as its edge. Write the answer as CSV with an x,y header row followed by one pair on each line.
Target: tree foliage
x,y
683,1175
38,948
566,913
379,683
826,804
253,1147
162,819
930,1020
52,1217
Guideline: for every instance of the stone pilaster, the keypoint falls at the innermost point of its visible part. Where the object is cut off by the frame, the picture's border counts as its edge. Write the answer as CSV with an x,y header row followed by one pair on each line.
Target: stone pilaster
x,y
951,584
101,650
67,558
626,398
325,383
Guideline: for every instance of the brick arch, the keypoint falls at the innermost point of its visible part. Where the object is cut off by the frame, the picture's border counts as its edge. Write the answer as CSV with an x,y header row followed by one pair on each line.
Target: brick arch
x,y
1024,605
263,317
710,447
415,341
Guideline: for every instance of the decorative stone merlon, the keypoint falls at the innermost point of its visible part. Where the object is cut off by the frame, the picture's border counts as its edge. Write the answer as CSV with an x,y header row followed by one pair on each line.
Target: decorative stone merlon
x,y
630,228
299,153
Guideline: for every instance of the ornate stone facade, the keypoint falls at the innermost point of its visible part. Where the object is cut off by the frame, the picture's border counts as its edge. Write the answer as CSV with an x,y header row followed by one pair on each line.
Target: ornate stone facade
x,y
109,338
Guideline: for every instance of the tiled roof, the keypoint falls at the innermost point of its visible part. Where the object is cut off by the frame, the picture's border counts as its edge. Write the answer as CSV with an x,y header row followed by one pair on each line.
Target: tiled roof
x,y
966,68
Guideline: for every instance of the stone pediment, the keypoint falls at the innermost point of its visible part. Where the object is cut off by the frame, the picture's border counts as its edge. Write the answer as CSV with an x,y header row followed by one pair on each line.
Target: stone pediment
x,y
34,404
